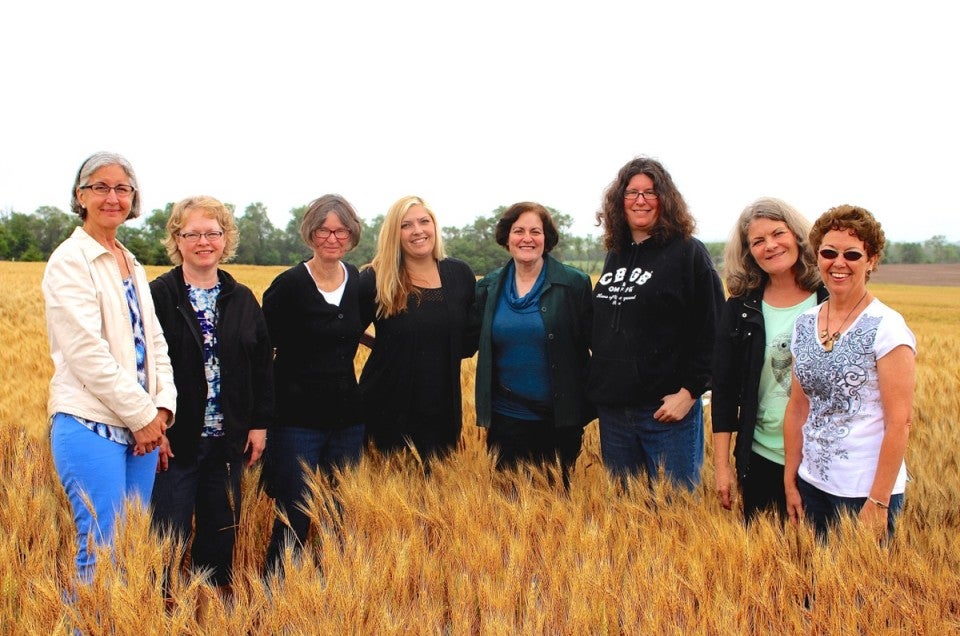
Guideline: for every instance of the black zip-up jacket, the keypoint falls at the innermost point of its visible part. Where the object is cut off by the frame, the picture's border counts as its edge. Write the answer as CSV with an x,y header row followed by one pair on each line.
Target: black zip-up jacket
x,y
655,310
246,362
316,342
737,364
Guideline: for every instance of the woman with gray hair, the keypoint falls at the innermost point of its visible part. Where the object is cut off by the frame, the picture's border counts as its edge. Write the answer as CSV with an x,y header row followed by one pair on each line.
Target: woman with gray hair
x,y
112,395
771,274
223,367
313,314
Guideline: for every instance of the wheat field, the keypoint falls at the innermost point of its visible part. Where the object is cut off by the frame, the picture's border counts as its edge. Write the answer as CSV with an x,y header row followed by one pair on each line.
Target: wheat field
x,y
469,550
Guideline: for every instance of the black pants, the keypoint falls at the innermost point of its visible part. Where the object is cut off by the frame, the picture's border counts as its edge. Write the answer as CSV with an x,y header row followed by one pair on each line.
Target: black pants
x,y
208,486
762,488
433,434
537,441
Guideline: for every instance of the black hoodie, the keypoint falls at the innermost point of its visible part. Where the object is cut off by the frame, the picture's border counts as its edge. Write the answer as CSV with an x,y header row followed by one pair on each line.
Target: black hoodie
x,y
655,309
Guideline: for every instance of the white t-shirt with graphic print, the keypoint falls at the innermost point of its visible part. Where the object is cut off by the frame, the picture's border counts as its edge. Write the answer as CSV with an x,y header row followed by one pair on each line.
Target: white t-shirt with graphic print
x,y
844,429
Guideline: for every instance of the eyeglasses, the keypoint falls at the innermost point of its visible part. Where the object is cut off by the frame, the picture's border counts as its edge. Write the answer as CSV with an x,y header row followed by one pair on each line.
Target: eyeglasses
x,y
193,237
850,255
123,190
340,234
632,195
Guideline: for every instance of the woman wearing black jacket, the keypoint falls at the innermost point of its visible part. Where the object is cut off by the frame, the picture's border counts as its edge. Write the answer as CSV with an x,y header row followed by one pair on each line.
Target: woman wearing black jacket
x,y
314,317
223,370
772,278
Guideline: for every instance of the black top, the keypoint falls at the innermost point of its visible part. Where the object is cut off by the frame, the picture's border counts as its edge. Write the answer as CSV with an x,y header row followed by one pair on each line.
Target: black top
x,y
246,368
737,364
655,311
432,335
315,346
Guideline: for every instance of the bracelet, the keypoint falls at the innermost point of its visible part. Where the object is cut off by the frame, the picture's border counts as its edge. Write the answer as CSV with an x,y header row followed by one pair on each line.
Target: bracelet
x,y
878,504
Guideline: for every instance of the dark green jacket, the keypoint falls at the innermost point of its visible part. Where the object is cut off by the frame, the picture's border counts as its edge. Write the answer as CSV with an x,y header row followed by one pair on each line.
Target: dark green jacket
x,y
567,309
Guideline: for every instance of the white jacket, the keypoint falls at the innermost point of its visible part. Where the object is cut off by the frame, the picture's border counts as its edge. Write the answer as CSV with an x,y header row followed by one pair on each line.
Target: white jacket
x,y
91,339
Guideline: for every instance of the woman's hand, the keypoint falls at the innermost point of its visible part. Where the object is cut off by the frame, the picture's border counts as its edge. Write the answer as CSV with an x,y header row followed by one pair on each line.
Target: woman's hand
x,y
675,406
149,438
794,502
874,519
256,442
722,472
723,477
163,460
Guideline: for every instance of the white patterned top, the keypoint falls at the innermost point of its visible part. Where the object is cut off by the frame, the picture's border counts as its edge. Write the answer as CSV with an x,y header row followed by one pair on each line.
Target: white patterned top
x,y
844,429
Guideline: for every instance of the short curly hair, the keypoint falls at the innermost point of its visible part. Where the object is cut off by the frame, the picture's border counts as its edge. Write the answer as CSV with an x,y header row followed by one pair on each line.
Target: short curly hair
x,y
212,209
856,220
550,234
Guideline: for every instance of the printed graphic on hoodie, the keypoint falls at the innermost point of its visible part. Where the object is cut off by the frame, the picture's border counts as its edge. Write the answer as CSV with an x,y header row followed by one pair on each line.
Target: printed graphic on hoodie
x,y
617,287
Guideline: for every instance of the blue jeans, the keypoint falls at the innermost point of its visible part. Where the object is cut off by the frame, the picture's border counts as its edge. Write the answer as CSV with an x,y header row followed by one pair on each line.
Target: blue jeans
x,y
102,471
631,441
323,449
208,486
824,510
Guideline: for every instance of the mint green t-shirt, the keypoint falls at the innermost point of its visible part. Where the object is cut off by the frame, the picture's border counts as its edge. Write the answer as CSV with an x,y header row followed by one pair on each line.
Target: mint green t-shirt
x,y
774,388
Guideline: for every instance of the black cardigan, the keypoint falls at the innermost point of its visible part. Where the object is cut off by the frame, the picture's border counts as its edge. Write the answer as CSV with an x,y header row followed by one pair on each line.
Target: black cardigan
x,y
316,342
246,367
386,379
737,363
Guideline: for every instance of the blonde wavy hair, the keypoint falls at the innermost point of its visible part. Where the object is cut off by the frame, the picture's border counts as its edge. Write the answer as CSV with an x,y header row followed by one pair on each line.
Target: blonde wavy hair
x,y
212,209
393,281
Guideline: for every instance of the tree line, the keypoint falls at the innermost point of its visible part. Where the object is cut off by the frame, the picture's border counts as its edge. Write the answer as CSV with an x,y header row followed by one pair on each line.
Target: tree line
x,y
32,237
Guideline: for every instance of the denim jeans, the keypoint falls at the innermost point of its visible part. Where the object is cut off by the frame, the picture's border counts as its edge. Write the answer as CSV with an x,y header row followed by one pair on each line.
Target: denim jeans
x,y
209,487
103,471
323,449
632,441
824,510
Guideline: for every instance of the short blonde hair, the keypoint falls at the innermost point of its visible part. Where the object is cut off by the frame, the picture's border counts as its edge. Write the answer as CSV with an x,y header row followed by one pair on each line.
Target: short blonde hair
x,y
212,209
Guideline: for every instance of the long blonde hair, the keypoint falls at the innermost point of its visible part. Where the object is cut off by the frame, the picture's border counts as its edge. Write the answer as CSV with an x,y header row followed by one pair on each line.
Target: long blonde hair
x,y
393,281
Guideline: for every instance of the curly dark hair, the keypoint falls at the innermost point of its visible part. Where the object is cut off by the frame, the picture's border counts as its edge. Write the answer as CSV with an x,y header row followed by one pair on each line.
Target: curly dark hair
x,y
856,220
550,234
674,218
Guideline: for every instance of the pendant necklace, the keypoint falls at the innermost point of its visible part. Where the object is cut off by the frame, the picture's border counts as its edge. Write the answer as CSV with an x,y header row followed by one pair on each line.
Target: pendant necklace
x,y
828,339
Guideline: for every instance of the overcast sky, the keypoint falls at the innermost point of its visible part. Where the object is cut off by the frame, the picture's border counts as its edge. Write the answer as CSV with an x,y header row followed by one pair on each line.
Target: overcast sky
x,y
481,105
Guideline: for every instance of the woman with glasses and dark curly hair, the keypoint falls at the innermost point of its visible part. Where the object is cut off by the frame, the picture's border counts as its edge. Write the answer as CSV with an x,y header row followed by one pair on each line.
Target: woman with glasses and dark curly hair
x,y
223,368
313,312
112,394
655,308
772,276
851,402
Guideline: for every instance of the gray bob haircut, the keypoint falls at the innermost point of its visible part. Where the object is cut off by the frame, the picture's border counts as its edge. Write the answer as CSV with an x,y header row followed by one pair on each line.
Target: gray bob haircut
x,y
93,163
317,213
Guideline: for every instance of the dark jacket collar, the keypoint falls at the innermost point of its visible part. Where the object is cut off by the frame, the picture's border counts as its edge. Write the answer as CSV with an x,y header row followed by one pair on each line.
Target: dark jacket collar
x,y
178,287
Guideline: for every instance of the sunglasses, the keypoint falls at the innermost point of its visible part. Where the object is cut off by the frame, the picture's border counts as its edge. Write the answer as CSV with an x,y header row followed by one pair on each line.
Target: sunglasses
x,y
849,255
